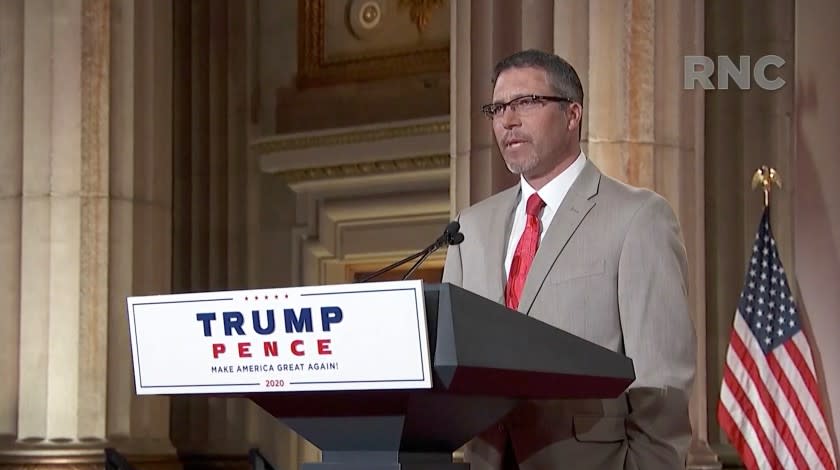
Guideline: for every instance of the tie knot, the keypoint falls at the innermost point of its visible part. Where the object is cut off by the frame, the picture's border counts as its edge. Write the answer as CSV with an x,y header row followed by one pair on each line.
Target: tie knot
x,y
534,205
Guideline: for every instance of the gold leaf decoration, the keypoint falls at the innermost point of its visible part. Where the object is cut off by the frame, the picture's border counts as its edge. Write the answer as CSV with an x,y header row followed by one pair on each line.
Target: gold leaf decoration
x,y
421,11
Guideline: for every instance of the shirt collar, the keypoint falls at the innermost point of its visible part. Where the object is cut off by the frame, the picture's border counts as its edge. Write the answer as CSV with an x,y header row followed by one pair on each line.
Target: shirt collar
x,y
555,190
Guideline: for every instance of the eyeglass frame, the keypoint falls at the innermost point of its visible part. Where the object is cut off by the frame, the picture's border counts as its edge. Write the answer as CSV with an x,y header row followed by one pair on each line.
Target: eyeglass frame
x,y
485,109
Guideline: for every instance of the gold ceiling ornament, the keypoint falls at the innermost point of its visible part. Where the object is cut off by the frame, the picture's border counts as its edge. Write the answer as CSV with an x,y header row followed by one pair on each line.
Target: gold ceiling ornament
x,y
766,177
421,11
316,69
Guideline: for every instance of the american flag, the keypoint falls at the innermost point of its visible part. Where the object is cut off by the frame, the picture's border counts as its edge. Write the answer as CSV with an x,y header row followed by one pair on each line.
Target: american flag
x,y
769,404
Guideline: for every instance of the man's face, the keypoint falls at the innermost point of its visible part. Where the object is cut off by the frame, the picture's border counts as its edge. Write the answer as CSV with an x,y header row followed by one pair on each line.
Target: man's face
x,y
534,137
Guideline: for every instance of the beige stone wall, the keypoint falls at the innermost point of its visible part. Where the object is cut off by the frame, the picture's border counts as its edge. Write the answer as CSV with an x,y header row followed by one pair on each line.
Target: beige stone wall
x,y
791,129
816,203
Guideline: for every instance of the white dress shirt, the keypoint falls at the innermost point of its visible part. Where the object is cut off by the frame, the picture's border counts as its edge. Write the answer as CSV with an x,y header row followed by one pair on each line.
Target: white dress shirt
x,y
552,194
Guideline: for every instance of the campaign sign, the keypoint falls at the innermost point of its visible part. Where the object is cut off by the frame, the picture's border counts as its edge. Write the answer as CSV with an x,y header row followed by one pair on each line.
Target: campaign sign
x,y
339,337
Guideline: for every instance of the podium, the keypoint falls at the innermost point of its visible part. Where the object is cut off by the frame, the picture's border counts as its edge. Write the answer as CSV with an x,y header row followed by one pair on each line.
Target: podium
x,y
485,359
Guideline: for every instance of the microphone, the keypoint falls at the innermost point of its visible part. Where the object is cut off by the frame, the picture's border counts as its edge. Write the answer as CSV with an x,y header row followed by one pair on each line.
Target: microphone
x,y
451,236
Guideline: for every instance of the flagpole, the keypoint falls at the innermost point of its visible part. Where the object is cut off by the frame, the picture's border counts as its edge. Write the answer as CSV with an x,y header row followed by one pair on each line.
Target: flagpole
x,y
766,177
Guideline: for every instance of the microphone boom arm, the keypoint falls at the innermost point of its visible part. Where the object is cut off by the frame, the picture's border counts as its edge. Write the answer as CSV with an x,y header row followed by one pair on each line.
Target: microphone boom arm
x,y
451,236
394,265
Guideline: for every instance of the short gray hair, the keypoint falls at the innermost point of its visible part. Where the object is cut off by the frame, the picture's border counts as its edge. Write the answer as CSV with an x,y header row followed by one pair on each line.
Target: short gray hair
x,y
561,75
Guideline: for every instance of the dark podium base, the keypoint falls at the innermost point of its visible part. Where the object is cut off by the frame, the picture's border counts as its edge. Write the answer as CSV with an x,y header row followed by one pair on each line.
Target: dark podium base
x,y
377,460
364,464
385,466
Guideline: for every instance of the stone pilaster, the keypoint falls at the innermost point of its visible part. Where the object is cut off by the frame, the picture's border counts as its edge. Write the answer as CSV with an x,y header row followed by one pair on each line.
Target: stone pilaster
x,y
11,192
140,210
210,184
64,224
647,130
70,175
482,33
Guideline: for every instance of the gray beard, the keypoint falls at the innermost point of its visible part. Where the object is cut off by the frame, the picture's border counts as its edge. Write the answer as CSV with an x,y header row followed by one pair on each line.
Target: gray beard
x,y
523,167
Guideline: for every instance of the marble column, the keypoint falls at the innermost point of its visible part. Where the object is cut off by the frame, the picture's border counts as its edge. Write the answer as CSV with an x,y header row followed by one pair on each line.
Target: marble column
x,y
72,159
639,125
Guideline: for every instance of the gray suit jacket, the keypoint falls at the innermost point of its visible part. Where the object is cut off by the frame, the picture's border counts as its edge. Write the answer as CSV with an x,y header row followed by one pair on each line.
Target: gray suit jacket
x,y
611,269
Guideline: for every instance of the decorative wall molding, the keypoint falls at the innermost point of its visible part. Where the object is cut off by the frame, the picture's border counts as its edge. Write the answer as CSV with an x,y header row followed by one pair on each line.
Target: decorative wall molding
x,y
331,137
352,151
429,162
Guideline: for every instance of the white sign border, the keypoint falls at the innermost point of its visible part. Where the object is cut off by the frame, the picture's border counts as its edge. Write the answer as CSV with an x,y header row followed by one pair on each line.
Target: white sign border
x,y
426,376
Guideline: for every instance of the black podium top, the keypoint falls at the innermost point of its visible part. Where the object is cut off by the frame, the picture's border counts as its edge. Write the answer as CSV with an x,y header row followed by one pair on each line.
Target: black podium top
x,y
486,358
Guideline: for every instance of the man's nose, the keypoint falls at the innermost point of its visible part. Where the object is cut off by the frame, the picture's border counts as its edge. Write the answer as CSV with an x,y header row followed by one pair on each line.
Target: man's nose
x,y
509,119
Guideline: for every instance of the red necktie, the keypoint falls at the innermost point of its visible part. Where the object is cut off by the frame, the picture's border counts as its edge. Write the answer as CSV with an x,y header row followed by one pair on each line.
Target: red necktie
x,y
525,251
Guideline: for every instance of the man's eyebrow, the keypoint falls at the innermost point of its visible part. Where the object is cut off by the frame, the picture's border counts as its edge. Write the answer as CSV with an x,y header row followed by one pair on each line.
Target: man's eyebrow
x,y
513,97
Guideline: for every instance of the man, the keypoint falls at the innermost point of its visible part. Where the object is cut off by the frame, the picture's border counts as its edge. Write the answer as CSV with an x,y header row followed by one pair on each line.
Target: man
x,y
591,256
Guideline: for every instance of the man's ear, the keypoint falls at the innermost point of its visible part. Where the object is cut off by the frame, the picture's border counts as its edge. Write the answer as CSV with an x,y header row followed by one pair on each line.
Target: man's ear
x,y
575,115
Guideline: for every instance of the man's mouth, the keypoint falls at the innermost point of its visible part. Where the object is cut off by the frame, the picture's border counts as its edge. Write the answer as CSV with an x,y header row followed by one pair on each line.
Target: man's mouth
x,y
514,143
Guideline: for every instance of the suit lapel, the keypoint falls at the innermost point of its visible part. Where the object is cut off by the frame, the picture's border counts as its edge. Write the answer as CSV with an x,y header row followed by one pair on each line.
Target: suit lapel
x,y
499,232
575,206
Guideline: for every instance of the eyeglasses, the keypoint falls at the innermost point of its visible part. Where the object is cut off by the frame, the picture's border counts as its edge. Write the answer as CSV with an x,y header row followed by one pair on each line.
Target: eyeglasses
x,y
521,105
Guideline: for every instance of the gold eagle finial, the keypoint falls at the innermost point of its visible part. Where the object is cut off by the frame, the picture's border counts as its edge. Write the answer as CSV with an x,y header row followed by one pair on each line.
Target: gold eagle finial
x,y
766,177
